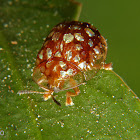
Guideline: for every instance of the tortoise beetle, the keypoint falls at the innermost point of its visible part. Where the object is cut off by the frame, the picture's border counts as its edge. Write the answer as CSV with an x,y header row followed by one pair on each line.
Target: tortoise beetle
x,y
72,53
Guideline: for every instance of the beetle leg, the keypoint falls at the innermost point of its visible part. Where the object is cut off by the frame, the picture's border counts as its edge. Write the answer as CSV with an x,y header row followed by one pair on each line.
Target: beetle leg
x,y
107,66
69,94
47,96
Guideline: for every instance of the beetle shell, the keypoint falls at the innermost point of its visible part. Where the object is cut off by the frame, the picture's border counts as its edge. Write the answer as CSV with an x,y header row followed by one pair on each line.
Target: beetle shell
x,y
72,51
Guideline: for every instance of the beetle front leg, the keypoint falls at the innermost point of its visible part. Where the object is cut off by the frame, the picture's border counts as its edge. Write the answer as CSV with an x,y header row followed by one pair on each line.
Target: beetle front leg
x,y
69,94
47,96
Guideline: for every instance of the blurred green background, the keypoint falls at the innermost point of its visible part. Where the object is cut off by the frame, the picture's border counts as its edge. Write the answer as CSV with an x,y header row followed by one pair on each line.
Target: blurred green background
x,y
119,22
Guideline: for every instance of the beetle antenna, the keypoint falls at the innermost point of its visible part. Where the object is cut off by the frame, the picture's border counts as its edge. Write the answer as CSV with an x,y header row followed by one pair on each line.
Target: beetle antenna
x,y
30,92
37,92
56,101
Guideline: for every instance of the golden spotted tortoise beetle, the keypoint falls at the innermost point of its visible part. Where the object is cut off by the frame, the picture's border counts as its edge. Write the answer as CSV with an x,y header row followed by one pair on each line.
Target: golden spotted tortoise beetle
x,y
72,53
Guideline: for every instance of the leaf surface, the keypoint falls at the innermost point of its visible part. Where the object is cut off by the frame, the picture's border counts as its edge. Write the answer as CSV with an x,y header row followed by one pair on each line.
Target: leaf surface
x,y
106,107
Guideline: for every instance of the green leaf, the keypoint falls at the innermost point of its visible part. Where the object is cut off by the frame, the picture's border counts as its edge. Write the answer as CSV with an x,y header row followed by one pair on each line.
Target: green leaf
x,y
105,109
